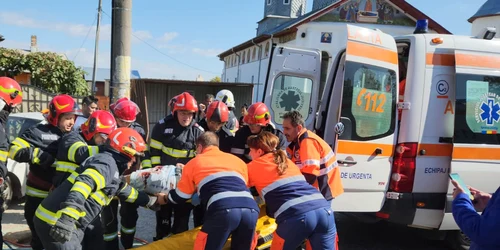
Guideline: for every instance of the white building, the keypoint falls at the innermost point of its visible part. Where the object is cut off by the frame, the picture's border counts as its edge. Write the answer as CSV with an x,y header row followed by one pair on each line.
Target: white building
x,y
487,16
285,22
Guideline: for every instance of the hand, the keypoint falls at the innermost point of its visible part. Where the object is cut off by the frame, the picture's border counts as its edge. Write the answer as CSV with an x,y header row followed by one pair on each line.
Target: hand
x,y
202,107
63,229
162,198
481,198
180,165
1,181
457,190
43,159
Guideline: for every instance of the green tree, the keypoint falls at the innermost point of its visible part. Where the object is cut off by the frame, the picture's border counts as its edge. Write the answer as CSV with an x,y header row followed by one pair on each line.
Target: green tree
x,y
215,79
48,70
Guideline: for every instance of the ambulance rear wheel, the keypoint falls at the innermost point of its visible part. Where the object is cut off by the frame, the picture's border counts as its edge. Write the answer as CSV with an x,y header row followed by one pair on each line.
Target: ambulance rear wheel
x,y
458,240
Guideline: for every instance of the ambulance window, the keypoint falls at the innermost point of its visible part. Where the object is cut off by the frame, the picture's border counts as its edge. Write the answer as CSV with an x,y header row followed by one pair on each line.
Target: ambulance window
x,y
477,109
290,93
369,100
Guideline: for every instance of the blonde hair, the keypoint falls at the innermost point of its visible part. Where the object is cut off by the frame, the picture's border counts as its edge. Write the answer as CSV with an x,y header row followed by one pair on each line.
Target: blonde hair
x,y
268,142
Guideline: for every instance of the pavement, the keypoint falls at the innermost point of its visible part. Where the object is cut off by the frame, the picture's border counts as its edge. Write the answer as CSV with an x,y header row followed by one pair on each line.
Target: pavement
x,y
353,234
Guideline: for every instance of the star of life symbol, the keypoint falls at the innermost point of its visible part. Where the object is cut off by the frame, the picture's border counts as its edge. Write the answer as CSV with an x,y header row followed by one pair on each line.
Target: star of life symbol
x,y
490,111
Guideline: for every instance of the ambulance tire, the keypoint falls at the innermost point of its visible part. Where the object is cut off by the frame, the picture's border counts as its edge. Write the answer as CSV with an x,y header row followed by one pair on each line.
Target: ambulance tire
x,y
458,240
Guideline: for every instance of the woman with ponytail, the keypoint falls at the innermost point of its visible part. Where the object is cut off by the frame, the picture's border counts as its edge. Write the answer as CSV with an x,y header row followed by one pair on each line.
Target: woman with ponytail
x,y
300,210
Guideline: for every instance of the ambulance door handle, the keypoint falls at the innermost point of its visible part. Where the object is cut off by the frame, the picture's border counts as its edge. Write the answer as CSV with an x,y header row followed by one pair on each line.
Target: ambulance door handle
x,y
347,162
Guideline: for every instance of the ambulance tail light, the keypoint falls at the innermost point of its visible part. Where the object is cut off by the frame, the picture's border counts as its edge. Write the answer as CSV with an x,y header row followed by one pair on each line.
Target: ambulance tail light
x,y
403,167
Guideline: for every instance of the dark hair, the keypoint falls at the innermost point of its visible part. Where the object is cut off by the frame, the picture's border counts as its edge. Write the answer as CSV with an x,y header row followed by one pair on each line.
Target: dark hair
x,y
209,96
89,100
245,106
295,118
208,139
267,142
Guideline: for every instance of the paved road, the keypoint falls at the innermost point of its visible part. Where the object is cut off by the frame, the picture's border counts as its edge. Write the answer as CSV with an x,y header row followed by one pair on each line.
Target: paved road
x,y
354,235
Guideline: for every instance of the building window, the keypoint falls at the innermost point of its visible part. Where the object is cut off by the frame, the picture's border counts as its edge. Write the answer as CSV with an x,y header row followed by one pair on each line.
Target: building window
x,y
248,55
243,57
286,2
268,2
266,51
254,53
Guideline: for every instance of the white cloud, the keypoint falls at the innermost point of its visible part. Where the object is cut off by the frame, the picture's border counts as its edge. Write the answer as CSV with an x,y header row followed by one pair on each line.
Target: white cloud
x,y
142,34
168,36
207,52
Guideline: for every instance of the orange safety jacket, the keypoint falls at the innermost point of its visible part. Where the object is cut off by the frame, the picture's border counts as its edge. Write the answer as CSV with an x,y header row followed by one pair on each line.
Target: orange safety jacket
x,y
317,162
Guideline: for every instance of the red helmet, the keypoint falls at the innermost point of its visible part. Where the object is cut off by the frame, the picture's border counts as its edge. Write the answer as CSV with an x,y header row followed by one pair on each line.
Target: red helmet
x,y
61,104
258,114
217,111
185,101
126,110
101,122
10,91
113,105
127,142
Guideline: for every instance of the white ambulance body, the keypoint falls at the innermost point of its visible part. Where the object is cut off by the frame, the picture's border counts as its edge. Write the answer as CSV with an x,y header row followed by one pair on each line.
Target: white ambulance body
x,y
449,117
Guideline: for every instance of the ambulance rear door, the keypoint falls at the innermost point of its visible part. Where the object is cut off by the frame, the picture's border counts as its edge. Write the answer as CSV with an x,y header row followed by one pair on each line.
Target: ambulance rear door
x,y
293,83
476,139
362,105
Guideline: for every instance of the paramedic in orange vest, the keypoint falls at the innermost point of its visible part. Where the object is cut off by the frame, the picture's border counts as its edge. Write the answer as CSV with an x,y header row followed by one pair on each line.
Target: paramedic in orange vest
x,y
313,156
221,181
300,210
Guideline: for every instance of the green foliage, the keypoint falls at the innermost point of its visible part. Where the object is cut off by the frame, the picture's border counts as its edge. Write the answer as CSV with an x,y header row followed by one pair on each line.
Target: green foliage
x,y
48,70
215,79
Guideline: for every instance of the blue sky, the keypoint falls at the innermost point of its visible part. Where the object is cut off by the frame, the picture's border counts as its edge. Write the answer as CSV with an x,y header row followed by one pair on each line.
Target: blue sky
x,y
192,32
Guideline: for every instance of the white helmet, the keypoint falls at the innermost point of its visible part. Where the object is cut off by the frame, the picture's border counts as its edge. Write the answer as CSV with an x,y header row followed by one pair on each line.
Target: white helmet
x,y
226,97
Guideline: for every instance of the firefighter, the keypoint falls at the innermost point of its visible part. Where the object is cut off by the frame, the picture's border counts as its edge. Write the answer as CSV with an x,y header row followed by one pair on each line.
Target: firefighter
x,y
38,147
172,142
217,116
313,155
257,119
75,146
300,210
227,97
125,112
71,211
221,181
11,95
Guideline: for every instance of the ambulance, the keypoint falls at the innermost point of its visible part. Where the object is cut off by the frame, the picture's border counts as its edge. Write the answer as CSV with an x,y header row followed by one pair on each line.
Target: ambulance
x,y
401,114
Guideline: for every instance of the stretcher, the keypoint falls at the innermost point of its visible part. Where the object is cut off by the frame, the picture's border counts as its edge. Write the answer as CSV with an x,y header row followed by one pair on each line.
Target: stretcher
x,y
185,241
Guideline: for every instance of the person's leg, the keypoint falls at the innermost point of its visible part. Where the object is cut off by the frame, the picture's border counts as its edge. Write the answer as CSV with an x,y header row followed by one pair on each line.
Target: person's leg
x,y
198,213
1,213
216,229
29,212
324,235
129,216
244,237
109,218
182,212
293,231
163,221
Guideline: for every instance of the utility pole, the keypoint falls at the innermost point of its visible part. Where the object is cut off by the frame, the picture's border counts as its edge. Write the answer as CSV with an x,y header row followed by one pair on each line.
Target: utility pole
x,y
120,49
96,48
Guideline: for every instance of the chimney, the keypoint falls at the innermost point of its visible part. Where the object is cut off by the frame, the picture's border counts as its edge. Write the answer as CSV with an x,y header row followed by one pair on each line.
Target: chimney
x,y
33,47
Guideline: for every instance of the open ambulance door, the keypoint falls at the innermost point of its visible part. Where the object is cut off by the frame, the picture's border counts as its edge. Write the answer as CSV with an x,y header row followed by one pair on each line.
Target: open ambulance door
x,y
293,83
361,118
476,138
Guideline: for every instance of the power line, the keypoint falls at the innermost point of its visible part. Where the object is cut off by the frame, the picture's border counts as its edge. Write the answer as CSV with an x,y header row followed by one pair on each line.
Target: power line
x,y
161,52
84,40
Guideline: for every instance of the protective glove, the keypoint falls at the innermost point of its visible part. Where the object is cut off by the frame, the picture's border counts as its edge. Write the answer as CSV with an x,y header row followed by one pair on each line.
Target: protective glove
x,y
195,199
153,204
42,158
63,229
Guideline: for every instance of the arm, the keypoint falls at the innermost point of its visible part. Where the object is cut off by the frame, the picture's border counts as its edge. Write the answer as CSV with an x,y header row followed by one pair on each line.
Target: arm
x,y
156,145
238,146
309,160
482,229
79,151
4,151
23,151
129,194
185,187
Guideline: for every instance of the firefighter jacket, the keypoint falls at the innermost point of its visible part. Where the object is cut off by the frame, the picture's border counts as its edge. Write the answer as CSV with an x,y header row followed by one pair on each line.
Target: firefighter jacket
x,y
219,178
91,187
37,146
145,160
225,136
4,144
317,162
73,150
171,143
232,123
240,147
287,195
